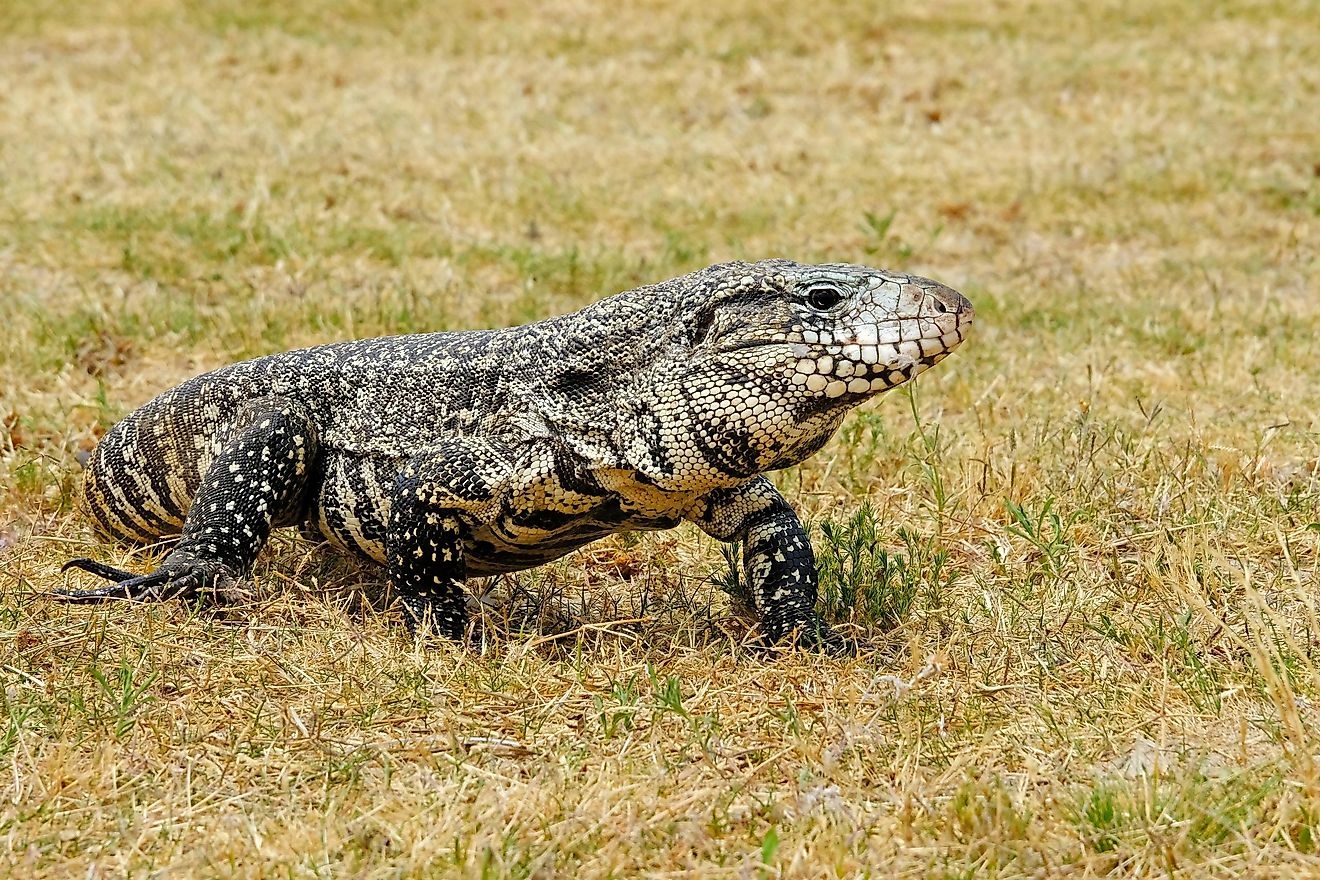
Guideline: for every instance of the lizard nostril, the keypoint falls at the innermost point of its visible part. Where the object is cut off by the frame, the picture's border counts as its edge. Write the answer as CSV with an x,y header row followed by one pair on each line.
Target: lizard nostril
x,y
941,306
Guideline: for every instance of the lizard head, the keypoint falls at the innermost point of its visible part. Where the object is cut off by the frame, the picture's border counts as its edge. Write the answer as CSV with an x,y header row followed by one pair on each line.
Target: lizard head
x,y
764,360
771,355
835,334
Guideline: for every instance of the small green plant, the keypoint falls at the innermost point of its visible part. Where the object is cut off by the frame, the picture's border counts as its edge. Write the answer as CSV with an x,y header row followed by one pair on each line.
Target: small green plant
x,y
125,691
769,846
1101,815
668,693
924,449
863,582
18,718
1045,530
616,712
729,578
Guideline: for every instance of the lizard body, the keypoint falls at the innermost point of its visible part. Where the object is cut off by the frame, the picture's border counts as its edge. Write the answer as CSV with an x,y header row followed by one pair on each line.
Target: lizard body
x,y
450,454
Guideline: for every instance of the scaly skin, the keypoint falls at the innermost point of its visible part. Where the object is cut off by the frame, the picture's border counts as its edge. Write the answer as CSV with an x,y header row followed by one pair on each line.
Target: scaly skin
x,y
446,455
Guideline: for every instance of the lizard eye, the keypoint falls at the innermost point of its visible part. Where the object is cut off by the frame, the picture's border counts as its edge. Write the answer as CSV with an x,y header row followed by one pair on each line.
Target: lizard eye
x,y
824,297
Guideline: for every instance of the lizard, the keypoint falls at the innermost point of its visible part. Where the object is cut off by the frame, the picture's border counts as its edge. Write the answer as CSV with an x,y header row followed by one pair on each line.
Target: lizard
x,y
447,455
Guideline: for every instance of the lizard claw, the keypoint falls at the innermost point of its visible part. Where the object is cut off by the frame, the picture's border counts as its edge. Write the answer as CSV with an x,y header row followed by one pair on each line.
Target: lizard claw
x,y
176,578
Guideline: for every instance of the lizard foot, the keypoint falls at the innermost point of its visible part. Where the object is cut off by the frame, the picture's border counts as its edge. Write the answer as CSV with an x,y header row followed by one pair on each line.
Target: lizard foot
x,y
425,621
178,577
814,634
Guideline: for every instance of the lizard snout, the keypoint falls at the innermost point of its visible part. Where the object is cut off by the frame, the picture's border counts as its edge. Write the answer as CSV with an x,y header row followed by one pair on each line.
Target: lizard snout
x,y
947,301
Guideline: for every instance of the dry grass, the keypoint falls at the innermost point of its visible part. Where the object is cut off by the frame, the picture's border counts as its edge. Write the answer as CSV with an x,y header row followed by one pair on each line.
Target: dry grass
x,y
1096,633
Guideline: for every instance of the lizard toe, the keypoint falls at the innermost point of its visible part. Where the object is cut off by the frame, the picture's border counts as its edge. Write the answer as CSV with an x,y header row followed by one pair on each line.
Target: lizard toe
x,y
817,635
100,569
183,577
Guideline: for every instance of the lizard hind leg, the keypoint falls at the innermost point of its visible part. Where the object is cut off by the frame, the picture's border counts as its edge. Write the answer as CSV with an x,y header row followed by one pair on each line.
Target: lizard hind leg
x,y
259,475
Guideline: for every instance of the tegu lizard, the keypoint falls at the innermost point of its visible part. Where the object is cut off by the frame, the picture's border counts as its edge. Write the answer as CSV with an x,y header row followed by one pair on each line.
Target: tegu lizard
x,y
446,455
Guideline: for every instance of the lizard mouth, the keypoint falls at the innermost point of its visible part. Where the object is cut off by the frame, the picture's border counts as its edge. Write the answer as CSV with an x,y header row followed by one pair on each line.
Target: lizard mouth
x,y
755,343
865,364
859,361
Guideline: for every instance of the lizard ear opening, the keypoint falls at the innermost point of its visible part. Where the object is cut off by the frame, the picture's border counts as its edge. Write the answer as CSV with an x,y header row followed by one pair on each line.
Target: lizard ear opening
x,y
700,326
576,382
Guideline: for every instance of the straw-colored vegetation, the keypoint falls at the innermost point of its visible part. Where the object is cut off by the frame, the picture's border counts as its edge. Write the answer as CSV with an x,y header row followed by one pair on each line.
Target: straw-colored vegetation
x,y
1084,548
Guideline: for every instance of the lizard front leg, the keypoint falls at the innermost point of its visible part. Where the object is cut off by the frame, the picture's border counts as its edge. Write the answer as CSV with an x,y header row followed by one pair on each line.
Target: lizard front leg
x,y
438,496
258,475
778,563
